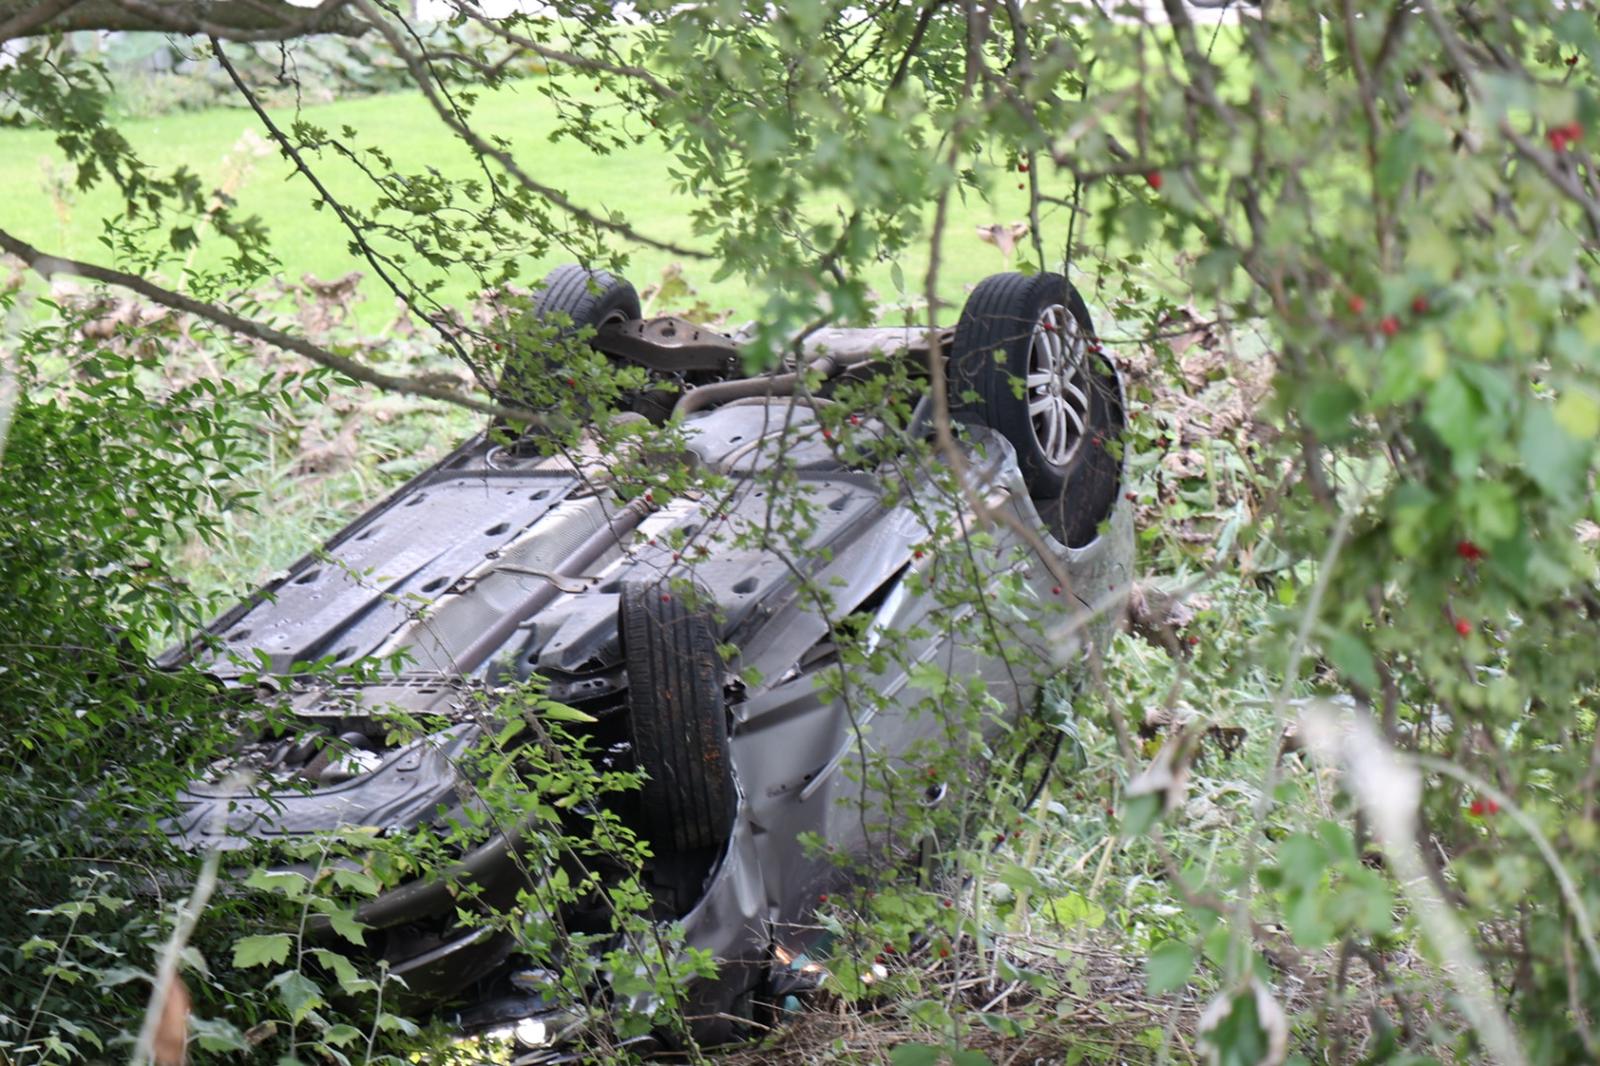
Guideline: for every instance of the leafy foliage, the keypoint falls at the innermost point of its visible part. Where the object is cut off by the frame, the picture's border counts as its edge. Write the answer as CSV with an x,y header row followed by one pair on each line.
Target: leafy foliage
x,y
1396,200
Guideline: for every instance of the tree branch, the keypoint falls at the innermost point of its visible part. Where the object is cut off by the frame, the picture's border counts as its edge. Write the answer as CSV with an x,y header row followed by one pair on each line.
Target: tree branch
x,y
379,263
483,148
46,265
24,19
233,20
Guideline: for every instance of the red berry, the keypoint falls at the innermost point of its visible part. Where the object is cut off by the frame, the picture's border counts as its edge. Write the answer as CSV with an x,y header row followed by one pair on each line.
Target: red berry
x,y
1023,167
572,383
1483,806
917,554
1572,61
1153,179
999,838
1390,325
1419,305
888,949
1469,551
1561,136
665,598
1193,640
944,952
1131,497
822,898
1356,304
1055,590
1463,626
855,420
947,903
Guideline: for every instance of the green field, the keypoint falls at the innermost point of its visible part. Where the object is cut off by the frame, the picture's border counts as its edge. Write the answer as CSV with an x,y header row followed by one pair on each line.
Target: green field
x,y
227,146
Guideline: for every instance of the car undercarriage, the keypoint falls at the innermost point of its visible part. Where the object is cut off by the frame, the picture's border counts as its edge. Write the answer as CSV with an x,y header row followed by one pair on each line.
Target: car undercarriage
x,y
693,645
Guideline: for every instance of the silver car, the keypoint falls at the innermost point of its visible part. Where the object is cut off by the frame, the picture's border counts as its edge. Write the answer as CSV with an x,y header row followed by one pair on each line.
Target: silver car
x,y
699,650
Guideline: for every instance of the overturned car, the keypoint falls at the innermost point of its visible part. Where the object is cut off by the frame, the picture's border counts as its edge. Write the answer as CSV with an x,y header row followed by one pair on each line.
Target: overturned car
x,y
699,650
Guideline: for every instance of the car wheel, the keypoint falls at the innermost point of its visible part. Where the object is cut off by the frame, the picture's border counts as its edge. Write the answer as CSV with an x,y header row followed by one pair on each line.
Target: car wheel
x,y
1024,363
588,298
678,717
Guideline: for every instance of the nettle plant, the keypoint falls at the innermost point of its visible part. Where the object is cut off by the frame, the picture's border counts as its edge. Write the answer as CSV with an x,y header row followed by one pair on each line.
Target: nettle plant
x,y
1399,197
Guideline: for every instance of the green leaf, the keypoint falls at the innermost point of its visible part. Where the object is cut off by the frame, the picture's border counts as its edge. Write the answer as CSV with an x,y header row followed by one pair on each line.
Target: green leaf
x,y
1553,459
914,1055
341,1034
1328,408
264,950
393,1023
1239,1038
300,994
344,971
1302,859
1139,813
285,883
217,1034
1171,963
356,881
560,712
1457,414
345,924
1397,158
1349,654
1071,910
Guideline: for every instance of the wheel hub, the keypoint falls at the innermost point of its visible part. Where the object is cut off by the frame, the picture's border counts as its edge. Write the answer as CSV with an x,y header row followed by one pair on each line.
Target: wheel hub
x,y
1057,384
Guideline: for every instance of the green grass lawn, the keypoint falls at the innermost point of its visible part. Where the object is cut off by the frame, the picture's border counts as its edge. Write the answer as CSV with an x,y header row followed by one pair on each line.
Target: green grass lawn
x,y
218,143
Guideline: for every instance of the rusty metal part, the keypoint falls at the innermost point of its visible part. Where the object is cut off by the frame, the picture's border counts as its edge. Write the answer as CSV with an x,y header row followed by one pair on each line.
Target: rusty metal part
x,y
723,391
833,351
669,345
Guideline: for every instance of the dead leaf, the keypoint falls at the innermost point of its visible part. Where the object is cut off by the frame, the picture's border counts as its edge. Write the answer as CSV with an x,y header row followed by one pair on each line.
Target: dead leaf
x,y
1002,236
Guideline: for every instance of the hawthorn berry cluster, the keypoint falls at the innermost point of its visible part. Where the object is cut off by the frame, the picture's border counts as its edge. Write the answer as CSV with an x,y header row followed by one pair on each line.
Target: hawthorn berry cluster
x,y
1561,136
1388,325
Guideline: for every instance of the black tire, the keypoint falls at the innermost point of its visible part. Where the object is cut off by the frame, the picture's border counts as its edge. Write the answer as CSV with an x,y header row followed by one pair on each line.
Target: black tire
x,y
1073,485
588,299
678,716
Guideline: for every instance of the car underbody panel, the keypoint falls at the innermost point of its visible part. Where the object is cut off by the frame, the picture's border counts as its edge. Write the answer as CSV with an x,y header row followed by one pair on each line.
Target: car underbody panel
x,y
497,565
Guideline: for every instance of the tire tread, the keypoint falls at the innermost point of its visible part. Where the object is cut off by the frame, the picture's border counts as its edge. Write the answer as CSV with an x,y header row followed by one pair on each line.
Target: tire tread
x,y
678,717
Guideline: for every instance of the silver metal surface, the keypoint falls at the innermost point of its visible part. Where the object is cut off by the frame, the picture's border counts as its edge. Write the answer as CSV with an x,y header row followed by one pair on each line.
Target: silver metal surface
x,y
1057,385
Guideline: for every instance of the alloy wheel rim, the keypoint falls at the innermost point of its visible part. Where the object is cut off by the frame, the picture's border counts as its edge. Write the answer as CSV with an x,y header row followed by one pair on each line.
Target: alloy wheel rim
x,y
1057,385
